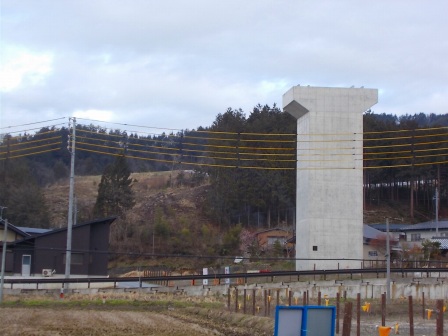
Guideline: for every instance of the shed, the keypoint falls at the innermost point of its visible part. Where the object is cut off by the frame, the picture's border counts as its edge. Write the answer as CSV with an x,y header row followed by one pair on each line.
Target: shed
x,y
89,256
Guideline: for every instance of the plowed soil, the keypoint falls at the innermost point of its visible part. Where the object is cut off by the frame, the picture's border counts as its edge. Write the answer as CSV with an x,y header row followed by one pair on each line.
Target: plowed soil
x,y
115,321
95,322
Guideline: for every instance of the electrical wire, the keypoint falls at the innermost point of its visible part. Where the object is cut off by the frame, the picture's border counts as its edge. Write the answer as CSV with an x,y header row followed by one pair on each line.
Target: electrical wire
x,y
190,137
29,142
128,142
190,156
31,148
114,123
245,159
240,154
33,129
30,154
317,149
283,148
273,134
407,130
238,160
34,123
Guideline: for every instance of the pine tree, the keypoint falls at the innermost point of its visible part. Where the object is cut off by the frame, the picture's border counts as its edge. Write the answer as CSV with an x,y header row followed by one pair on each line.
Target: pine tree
x,y
115,194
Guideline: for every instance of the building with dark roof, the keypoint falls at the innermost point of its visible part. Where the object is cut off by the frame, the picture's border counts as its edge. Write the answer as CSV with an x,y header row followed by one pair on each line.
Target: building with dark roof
x,y
34,254
33,231
416,233
14,233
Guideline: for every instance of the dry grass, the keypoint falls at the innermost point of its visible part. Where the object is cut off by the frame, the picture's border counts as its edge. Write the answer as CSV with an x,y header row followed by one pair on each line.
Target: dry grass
x,y
149,313
86,191
130,313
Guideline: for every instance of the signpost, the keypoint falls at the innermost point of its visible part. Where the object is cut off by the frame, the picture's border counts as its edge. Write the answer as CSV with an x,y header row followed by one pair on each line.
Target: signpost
x,y
305,321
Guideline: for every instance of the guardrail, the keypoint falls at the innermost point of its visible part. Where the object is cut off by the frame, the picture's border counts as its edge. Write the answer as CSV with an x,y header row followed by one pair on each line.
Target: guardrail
x,y
220,276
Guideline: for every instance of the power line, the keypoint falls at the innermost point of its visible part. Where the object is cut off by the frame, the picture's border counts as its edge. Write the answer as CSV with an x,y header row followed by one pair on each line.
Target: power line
x,y
30,154
240,155
17,144
34,123
240,159
33,147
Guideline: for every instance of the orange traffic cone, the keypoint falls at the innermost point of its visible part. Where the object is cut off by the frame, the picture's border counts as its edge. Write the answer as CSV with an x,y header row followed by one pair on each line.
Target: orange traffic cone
x,y
384,331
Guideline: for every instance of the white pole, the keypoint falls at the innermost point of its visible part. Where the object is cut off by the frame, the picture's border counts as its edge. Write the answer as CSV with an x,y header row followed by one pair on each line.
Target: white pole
x,y
5,237
387,261
437,211
68,252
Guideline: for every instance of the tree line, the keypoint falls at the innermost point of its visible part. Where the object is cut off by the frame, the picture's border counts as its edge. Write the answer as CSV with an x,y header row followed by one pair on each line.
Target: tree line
x,y
247,160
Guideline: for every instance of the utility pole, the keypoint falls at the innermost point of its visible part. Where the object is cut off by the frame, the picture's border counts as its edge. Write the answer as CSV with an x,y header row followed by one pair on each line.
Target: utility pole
x,y
387,261
68,252
5,238
436,197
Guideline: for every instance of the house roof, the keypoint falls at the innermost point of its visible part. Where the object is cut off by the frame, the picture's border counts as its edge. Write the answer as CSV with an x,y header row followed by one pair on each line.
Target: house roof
x,y
33,231
432,225
392,227
370,232
96,221
14,229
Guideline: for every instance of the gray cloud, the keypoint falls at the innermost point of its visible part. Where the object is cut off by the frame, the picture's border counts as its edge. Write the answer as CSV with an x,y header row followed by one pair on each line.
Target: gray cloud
x,y
178,64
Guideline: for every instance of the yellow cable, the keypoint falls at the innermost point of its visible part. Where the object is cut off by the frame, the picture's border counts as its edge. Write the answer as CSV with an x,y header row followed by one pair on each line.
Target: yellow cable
x,y
28,142
29,148
34,153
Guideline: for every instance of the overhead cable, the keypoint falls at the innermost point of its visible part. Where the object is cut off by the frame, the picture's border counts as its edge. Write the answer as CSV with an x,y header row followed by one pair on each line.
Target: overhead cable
x,y
34,123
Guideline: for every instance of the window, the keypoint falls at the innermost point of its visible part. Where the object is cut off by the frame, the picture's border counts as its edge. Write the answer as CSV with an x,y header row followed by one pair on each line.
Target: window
x,y
314,248
415,237
373,253
76,259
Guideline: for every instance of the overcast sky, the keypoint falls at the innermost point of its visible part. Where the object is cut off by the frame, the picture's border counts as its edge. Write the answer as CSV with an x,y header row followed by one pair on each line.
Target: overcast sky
x,y
177,63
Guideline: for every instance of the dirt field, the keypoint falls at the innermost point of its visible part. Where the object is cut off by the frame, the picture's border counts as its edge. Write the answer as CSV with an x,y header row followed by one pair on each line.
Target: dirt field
x,y
125,314
77,322
160,314
114,322
38,321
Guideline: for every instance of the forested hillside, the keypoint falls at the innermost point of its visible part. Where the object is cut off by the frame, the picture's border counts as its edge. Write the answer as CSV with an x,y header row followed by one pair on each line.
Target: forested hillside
x,y
242,168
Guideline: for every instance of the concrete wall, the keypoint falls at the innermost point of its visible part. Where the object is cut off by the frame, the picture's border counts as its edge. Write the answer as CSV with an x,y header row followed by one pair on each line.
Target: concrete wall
x,y
434,287
329,219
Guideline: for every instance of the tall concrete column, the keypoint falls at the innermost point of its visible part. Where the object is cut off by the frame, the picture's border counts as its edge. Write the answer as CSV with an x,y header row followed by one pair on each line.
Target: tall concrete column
x,y
329,219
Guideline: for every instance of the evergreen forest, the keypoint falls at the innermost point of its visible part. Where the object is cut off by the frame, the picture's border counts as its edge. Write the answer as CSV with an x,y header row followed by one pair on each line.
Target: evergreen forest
x,y
248,161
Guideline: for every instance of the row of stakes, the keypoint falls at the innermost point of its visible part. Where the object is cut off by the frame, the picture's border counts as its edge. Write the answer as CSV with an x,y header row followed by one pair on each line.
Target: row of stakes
x,y
366,307
383,330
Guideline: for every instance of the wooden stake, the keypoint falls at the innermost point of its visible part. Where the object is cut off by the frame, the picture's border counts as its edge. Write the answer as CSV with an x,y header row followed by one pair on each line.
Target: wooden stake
x,y
337,312
439,328
347,323
358,314
411,317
